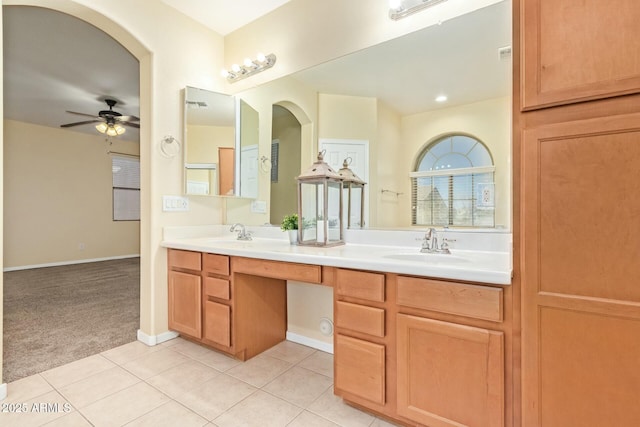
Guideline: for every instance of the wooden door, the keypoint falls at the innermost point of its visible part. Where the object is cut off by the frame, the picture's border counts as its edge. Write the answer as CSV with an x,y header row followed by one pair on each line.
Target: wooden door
x,y
579,50
185,309
449,374
226,170
580,295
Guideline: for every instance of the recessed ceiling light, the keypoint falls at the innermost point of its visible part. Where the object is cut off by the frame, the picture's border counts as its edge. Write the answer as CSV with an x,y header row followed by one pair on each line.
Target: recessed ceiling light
x,y
441,98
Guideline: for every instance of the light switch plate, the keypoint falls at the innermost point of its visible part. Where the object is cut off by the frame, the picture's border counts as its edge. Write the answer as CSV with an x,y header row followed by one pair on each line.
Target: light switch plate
x,y
175,204
259,206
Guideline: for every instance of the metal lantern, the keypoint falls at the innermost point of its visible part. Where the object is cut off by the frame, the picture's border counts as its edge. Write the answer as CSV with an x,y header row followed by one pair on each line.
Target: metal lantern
x,y
353,197
320,206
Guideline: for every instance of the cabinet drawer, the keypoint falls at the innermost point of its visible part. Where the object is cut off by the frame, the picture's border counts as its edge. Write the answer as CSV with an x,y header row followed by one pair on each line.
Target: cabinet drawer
x,y
218,264
360,318
185,259
217,288
360,284
278,270
217,323
480,302
360,368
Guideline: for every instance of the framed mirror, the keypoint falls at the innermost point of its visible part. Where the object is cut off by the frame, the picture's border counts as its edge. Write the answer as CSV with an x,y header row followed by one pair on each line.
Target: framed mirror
x,y
221,145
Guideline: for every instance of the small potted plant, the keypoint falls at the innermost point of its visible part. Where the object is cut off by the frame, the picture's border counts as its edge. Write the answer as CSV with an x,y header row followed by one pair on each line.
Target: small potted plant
x,y
290,225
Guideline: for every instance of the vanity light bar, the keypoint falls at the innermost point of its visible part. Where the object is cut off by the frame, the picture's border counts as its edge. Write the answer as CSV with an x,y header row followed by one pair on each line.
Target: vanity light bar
x,y
249,68
404,8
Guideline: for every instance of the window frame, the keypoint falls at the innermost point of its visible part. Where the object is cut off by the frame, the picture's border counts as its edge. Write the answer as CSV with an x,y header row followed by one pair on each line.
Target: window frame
x,y
117,189
472,172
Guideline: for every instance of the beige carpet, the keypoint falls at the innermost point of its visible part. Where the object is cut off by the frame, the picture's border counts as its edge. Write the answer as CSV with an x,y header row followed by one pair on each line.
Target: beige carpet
x,y
56,315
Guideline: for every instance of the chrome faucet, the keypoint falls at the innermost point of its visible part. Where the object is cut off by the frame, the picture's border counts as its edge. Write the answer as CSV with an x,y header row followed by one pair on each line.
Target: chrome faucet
x,y
430,243
242,232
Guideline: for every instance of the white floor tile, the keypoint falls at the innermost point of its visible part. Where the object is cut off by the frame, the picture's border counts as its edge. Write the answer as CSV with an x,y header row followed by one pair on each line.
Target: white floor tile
x,y
76,371
124,406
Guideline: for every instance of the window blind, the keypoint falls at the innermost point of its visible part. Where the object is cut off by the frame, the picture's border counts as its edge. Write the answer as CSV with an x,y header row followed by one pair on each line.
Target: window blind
x,y
462,197
275,155
126,188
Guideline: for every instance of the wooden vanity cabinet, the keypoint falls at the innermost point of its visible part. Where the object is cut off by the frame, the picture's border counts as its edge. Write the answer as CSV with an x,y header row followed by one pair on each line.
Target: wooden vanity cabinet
x,y
448,373
185,292
217,301
222,302
360,339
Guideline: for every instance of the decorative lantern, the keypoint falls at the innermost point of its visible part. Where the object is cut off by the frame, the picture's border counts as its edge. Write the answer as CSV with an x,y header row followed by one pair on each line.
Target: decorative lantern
x,y
353,196
320,206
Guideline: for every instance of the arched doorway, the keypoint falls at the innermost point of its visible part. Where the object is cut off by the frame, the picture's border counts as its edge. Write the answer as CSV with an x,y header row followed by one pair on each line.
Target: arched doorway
x,y
143,55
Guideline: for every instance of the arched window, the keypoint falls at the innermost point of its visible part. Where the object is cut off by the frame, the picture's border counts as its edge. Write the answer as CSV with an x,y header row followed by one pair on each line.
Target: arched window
x,y
453,184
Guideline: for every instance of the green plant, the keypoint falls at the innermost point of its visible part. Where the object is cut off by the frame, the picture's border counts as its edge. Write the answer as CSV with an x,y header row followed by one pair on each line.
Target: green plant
x,y
289,222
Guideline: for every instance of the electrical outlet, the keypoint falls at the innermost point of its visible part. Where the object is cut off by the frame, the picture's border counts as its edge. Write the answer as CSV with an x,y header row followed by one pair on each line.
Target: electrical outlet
x,y
175,204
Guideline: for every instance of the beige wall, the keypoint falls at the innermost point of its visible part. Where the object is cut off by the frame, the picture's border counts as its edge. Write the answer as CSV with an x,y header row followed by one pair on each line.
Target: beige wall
x,y
205,140
284,193
307,304
387,207
58,194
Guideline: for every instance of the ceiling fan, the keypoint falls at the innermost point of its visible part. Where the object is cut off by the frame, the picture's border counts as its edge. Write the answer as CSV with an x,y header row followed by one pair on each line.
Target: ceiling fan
x,y
109,122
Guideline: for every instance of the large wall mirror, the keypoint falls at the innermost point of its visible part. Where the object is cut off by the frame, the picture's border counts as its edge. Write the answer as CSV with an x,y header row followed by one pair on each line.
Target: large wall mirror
x,y
221,145
384,107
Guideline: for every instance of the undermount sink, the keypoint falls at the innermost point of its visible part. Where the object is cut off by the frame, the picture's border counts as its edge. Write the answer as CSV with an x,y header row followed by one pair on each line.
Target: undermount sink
x,y
427,257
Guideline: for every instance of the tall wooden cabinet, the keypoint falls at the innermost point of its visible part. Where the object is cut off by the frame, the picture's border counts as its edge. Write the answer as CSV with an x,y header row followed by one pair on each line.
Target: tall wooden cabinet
x,y
580,212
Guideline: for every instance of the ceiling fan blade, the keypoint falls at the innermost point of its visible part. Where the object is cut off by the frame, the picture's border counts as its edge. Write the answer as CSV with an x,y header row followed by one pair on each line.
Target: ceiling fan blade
x,y
127,119
133,125
84,114
68,125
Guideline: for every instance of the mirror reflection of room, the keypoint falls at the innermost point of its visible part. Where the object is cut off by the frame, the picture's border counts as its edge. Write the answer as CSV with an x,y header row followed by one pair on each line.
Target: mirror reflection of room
x,y
210,121
443,81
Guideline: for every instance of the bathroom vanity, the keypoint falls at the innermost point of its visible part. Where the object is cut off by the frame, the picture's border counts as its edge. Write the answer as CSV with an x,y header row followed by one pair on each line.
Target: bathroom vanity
x,y
415,341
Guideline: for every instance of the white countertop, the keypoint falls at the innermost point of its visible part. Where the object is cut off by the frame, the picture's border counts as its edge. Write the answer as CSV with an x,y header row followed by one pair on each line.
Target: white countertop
x,y
491,267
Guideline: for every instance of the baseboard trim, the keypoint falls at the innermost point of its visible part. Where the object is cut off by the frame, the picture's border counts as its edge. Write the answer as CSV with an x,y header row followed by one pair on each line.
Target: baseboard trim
x,y
310,342
152,340
3,391
77,261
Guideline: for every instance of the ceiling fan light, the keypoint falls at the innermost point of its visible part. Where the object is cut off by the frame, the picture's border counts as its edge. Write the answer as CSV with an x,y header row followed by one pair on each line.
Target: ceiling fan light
x,y
119,129
102,127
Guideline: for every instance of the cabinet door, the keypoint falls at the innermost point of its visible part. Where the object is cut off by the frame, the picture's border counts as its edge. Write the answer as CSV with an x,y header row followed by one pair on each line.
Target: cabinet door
x,y
580,293
360,368
449,374
185,303
579,50
217,323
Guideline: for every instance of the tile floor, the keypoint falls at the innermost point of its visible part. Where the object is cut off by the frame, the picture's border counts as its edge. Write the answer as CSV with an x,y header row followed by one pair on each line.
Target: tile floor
x,y
179,383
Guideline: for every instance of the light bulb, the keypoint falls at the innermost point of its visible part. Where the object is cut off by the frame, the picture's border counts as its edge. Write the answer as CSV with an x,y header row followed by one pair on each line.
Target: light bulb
x,y
441,98
235,68
224,73
261,57
102,127
249,63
